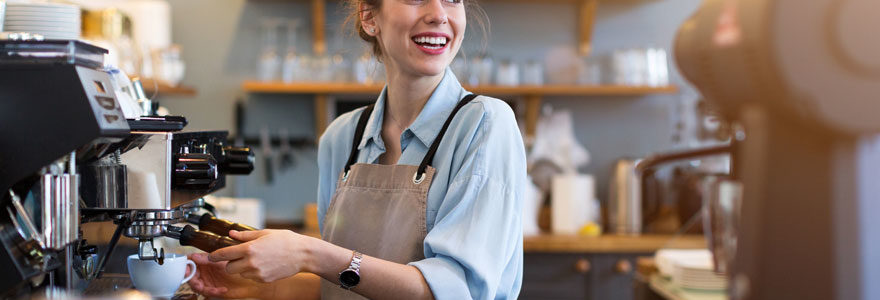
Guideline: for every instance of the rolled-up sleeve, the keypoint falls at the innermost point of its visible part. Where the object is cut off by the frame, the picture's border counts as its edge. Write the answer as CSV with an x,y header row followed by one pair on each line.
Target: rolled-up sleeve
x,y
325,180
474,250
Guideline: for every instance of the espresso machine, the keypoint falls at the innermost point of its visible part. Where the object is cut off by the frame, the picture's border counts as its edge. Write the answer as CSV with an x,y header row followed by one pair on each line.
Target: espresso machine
x,y
70,154
802,81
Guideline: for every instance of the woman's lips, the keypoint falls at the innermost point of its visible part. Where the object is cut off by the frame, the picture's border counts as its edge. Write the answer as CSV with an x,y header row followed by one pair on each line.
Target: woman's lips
x,y
431,44
432,50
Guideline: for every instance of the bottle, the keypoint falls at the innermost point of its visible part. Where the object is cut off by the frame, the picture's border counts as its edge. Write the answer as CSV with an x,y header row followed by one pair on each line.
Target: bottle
x,y
291,69
269,61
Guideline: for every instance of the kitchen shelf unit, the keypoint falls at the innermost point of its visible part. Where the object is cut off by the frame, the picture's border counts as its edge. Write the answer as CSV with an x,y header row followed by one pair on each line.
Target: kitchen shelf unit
x,y
586,10
152,86
532,94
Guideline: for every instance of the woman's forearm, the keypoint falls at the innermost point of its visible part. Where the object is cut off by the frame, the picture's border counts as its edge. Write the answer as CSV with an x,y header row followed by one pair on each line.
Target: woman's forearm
x,y
302,286
380,279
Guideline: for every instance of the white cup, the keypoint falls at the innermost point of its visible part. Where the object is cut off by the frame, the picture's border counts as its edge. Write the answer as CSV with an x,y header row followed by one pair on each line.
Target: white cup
x,y
160,280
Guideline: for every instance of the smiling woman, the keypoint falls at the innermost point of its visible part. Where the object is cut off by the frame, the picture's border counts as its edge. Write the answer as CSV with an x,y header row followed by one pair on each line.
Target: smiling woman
x,y
419,195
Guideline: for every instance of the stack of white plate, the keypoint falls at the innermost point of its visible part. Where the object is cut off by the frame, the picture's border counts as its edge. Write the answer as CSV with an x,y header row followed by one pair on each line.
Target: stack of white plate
x,y
52,20
698,275
690,269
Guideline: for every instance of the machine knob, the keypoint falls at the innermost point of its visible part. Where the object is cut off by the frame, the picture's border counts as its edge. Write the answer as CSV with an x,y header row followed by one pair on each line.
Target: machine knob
x,y
237,160
204,240
194,171
220,226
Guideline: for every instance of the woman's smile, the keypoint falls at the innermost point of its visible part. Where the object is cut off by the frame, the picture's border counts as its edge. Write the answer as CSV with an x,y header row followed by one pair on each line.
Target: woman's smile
x,y
432,43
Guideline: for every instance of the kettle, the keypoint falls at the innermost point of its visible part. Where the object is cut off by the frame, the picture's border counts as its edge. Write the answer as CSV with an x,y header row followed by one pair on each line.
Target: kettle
x,y
625,198
625,204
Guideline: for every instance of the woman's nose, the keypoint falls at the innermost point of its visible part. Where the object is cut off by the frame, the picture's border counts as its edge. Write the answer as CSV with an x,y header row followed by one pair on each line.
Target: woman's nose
x,y
435,12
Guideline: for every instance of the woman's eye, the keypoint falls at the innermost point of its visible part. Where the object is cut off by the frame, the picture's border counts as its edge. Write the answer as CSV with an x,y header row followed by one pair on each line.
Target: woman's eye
x,y
453,1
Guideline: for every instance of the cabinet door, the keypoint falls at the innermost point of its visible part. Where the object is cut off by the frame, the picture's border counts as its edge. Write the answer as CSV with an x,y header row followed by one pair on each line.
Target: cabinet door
x,y
611,276
555,276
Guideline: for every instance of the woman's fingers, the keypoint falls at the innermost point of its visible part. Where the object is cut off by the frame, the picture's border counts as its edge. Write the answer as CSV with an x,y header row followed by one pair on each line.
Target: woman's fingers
x,y
238,266
213,292
196,284
203,286
247,236
229,253
196,257
254,275
200,259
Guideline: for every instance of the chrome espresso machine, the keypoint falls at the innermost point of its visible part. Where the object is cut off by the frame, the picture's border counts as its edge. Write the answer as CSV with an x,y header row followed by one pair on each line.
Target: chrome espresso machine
x,y
70,155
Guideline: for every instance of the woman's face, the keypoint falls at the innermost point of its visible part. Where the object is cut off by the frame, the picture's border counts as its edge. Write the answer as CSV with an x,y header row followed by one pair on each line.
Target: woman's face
x,y
420,37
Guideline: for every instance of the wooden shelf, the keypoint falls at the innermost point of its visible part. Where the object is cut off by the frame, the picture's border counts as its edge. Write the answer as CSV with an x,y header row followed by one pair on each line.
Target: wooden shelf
x,y
548,90
164,89
532,94
551,243
309,88
586,16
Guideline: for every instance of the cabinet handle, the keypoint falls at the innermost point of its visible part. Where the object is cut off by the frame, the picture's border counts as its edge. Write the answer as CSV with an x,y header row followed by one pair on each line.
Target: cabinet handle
x,y
623,266
582,266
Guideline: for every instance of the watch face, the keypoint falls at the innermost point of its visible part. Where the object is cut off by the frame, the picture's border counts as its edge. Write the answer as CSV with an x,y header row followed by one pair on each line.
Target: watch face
x,y
349,278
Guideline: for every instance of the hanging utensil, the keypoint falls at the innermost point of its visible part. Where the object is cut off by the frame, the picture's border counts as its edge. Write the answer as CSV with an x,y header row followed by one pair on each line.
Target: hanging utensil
x,y
285,150
266,145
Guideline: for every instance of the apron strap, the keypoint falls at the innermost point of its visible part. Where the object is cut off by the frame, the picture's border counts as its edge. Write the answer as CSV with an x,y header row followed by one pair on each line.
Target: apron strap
x,y
358,135
429,157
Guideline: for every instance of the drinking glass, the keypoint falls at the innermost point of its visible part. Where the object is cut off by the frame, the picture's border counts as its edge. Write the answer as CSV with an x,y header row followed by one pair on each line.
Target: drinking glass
x,y
269,61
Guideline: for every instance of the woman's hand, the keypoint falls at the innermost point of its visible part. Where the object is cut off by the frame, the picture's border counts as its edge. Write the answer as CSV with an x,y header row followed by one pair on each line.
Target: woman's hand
x,y
266,255
211,280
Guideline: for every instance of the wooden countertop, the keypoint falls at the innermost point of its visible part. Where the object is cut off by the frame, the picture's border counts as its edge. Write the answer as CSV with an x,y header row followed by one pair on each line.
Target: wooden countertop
x,y
552,243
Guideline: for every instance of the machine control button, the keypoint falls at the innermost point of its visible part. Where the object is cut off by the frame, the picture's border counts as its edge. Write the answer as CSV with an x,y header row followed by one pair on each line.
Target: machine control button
x,y
237,160
194,171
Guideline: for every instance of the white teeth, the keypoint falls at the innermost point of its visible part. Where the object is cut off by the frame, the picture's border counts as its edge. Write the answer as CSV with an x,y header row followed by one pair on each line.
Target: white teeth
x,y
431,40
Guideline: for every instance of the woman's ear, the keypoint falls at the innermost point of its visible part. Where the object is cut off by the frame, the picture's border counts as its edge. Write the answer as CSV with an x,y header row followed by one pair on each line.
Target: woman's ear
x,y
368,19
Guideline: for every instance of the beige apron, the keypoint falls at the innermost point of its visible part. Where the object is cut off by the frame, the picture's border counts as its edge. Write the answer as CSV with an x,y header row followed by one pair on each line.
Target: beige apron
x,y
379,210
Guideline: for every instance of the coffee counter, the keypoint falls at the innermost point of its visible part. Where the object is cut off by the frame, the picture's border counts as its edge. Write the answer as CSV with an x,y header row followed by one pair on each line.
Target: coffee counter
x,y
553,243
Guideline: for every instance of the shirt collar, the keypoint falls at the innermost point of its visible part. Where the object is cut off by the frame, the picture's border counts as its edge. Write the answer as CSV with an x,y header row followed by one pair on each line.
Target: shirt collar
x,y
430,120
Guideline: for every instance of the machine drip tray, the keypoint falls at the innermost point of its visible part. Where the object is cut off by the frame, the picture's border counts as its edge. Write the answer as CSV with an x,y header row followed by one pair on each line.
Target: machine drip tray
x,y
110,283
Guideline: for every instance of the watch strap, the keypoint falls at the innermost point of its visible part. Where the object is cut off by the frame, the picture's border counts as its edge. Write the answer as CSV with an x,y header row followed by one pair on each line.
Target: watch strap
x,y
354,266
356,258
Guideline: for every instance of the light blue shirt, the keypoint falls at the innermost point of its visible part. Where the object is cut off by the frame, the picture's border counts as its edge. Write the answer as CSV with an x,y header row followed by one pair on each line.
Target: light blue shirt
x,y
473,248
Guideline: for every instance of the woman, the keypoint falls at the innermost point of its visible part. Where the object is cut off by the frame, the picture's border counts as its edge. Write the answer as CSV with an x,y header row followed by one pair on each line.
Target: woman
x,y
427,184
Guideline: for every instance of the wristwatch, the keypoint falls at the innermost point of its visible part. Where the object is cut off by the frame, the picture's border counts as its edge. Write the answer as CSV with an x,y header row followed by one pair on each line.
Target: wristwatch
x,y
350,277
